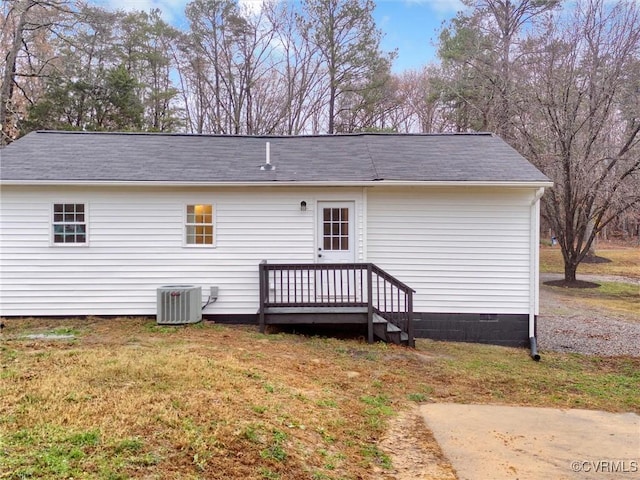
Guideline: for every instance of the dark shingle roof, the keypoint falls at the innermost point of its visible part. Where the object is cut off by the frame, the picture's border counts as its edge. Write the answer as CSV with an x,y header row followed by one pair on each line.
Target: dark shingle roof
x,y
147,157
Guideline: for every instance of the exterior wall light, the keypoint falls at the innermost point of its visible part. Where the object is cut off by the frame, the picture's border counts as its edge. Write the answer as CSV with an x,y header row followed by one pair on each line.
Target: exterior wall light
x,y
303,206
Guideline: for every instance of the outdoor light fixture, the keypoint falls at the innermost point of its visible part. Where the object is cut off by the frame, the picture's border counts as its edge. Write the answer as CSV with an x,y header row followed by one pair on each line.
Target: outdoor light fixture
x,y
303,206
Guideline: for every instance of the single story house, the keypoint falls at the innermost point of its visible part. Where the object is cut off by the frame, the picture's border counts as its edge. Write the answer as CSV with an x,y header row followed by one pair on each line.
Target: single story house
x,y
96,223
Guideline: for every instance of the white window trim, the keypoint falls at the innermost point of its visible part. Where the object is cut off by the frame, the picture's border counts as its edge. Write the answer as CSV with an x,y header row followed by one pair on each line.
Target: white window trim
x,y
214,220
52,241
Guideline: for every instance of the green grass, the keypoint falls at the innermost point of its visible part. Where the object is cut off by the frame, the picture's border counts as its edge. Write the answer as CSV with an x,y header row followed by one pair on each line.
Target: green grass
x,y
275,451
499,375
606,291
417,397
375,455
53,452
66,331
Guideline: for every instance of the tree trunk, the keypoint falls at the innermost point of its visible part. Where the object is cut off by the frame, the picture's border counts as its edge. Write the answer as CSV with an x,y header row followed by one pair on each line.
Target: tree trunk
x,y
570,268
587,235
6,91
332,104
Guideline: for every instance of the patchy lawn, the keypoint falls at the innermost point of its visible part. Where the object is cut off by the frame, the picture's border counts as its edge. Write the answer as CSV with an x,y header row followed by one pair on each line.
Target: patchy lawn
x,y
128,399
625,262
614,296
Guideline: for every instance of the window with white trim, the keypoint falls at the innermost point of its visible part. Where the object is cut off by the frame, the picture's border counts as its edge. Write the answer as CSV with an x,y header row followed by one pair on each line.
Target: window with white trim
x,y
69,223
199,225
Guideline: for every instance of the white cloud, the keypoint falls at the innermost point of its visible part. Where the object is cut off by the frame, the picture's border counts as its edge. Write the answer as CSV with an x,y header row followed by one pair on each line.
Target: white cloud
x,y
441,6
252,6
171,9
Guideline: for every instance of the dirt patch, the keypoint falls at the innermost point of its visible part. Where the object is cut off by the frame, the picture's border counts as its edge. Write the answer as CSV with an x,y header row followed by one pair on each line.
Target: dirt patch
x,y
573,284
414,452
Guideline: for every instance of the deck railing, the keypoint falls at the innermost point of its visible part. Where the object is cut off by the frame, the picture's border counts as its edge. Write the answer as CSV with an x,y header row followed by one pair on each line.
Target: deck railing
x,y
337,285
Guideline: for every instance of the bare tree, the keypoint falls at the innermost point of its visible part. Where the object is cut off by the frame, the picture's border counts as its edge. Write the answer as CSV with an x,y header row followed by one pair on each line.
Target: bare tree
x,y
228,65
300,84
346,37
421,100
210,43
25,23
585,129
505,20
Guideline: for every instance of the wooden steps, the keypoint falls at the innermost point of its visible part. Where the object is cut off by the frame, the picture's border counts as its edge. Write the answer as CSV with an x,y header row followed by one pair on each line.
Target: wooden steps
x,y
388,332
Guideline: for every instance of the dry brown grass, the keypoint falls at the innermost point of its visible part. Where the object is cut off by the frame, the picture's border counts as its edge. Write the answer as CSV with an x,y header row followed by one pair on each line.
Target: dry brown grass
x,y
625,262
128,399
199,402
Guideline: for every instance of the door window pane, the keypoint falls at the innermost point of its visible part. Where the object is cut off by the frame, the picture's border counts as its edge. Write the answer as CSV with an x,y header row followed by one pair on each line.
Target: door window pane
x,y
335,228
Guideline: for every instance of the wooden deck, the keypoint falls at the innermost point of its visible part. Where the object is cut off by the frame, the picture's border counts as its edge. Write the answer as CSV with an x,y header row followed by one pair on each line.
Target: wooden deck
x,y
342,293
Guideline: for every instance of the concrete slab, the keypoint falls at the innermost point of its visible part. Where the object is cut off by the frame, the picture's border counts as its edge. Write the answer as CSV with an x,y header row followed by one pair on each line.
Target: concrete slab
x,y
500,442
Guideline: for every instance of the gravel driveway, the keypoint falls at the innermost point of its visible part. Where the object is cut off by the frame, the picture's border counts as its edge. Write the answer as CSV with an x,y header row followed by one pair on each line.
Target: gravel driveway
x,y
574,327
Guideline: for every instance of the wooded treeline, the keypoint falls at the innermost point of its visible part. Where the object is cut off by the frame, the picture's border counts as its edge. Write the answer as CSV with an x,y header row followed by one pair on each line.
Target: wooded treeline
x,y
289,68
560,83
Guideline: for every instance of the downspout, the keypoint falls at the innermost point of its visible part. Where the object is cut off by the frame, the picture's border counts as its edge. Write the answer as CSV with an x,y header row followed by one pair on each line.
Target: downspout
x,y
534,269
364,236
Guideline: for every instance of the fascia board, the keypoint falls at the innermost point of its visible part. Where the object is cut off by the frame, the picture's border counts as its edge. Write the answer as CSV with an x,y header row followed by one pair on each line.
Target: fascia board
x,y
379,183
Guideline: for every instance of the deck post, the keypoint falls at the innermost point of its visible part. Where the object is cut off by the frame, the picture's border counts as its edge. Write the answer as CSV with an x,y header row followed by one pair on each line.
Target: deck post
x,y
369,303
411,342
264,285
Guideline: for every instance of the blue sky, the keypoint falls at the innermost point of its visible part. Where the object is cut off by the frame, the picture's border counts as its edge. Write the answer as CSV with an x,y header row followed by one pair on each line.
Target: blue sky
x,y
410,26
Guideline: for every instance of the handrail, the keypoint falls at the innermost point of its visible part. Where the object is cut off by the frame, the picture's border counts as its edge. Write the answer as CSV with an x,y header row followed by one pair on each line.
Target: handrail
x,y
391,278
337,285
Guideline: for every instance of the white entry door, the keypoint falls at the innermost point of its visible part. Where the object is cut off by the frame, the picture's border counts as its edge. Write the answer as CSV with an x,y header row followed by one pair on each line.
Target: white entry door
x,y
336,232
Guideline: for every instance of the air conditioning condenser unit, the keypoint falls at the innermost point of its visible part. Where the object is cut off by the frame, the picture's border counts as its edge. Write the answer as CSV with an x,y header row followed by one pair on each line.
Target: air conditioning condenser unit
x,y
179,304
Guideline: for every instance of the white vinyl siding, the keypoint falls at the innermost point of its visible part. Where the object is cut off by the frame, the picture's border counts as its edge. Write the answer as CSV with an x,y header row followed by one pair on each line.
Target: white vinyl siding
x,y
137,244
463,250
